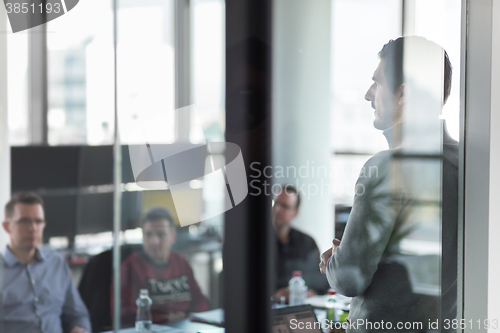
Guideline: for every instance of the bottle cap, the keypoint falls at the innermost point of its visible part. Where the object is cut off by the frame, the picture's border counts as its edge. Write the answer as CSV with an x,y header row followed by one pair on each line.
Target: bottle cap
x,y
144,292
296,273
331,292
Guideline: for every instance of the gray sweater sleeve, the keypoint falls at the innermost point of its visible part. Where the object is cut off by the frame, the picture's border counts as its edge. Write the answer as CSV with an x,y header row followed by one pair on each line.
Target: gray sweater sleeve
x,y
369,229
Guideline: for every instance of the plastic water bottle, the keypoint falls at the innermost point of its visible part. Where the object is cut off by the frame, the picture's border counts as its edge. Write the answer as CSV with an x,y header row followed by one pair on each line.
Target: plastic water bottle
x,y
298,289
332,306
143,318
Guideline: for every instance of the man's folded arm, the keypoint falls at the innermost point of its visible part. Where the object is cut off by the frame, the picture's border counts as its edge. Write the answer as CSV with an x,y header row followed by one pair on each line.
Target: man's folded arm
x,y
351,268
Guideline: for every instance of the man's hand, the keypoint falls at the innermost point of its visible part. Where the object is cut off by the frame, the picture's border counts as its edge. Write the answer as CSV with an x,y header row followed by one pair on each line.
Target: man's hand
x,y
282,292
310,293
327,254
285,292
78,329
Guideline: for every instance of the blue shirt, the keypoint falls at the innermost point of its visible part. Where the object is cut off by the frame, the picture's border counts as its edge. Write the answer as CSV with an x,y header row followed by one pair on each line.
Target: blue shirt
x,y
40,296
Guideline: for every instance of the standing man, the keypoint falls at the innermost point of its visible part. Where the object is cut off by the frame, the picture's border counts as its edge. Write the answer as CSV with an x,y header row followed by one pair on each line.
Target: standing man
x,y
167,275
37,294
403,199
295,251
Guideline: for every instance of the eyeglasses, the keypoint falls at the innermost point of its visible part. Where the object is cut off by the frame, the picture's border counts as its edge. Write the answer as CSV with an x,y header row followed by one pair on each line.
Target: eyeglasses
x,y
283,206
25,222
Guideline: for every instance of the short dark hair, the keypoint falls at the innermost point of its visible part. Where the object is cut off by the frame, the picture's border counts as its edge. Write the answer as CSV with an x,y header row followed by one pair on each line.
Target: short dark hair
x,y
290,189
393,53
28,198
157,213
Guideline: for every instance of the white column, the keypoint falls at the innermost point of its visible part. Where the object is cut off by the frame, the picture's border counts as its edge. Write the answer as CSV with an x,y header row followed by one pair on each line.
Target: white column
x,y
301,108
4,128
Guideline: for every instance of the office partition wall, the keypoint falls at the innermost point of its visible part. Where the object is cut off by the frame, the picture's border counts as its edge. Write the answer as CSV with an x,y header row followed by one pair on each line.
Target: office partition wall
x,y
4,127
398,198
480,155
291,85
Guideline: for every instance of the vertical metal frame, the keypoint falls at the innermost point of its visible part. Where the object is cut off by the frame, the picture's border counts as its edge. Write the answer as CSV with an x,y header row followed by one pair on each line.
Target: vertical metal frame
x,y
407,17
38,103
494,218
117,182
461,158
248,237
476,154
4,126
182,41
480,153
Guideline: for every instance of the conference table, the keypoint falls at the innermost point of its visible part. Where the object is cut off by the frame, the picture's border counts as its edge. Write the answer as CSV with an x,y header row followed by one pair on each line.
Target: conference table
x,y
210,321
182,326
202,322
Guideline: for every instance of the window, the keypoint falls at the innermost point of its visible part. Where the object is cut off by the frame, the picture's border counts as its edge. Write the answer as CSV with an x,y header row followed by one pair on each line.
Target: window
x,y
354,58
17,76
80,75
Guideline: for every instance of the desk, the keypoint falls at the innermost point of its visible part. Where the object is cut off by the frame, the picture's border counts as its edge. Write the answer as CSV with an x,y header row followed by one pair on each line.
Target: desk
x,y
188,326
154,329
182,326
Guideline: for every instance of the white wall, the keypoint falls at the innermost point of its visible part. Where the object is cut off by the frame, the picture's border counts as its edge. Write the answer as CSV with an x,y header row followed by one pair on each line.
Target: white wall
x,y
4,130
301,108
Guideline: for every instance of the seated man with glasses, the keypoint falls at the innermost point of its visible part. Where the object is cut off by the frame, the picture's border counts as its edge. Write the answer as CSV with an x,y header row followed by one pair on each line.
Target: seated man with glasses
x,y
295,251
36,291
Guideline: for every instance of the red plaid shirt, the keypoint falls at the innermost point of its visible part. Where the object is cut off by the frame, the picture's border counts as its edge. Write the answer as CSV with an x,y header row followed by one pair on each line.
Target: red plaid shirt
x,y
171,286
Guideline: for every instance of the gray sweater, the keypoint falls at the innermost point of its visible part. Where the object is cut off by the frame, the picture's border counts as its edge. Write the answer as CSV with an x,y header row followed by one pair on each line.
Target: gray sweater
x,y
382,262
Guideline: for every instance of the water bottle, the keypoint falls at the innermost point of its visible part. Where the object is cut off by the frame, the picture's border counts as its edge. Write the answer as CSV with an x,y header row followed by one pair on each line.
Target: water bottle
x,y
331,306
298,289
143,318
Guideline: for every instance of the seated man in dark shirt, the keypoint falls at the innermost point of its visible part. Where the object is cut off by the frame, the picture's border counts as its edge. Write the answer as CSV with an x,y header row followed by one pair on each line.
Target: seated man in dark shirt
x,y
167,275
295,251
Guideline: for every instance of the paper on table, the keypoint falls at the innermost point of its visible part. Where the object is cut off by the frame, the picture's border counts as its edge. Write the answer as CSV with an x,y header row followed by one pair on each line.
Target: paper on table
x,y
212,317
319,301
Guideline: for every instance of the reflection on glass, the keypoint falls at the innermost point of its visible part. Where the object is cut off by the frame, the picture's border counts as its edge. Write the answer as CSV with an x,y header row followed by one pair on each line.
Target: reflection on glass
x,y
167,275
35,282
208,70
295,250
439,21
353,56
174,250
17,85
80,76
392,258
146,69
345,171
352,132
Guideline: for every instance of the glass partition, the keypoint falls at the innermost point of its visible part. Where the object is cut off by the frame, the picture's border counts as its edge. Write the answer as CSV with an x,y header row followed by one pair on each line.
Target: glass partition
x,y
340,169
170,120
361,123
17,53
360,152
80,76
